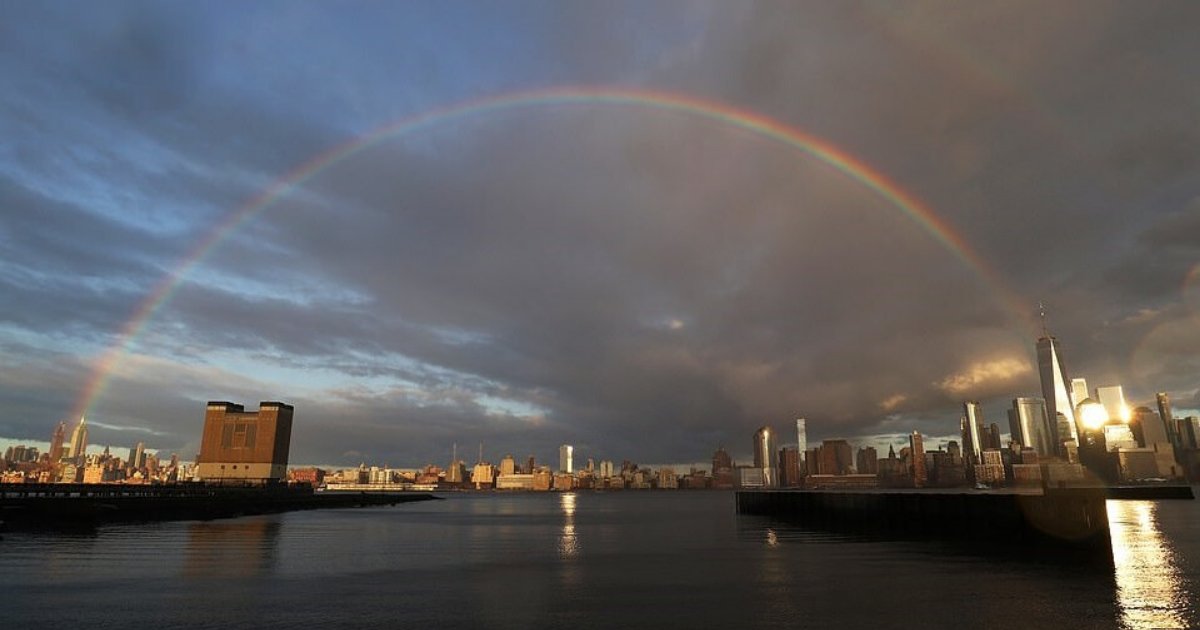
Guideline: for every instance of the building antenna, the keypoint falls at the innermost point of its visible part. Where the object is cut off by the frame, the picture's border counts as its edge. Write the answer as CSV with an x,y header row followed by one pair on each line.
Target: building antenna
x,y
1042,313
454,454
480,451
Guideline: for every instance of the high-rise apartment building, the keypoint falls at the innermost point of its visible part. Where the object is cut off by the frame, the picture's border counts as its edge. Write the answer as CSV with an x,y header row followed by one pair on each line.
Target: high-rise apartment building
x,y
1059,408
802,441
566,462
237,444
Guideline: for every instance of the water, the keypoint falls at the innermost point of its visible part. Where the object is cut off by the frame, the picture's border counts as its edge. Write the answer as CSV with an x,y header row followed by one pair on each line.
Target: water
x,y
583,560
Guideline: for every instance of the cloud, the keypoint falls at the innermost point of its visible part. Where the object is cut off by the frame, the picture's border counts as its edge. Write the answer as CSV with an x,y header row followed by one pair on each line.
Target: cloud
x,y
643,284
987,375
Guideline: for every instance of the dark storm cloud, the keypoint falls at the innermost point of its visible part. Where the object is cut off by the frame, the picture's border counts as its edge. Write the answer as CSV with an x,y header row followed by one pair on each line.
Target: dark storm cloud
x,y
642,284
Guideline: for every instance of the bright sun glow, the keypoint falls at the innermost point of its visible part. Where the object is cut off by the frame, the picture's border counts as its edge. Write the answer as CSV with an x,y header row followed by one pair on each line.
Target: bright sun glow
x,y
1093,415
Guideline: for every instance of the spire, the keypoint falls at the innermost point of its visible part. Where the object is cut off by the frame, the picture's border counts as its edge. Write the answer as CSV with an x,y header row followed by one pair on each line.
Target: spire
x,y
82,420
1042,313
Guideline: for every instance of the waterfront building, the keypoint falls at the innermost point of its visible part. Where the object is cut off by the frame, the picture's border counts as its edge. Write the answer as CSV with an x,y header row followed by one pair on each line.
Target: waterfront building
x,y
667,479
508,465
750,477
515,481
837,457
867,461
1059,407
764,454
542,479
483,476
564,482
916,445
1030,426
606,468
237,444
812,461
721,461
565,459
790,475
79,442
837,482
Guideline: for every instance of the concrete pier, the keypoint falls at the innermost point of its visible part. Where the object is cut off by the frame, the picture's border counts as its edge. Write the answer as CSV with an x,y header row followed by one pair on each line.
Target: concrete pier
x,y
24,506
1070,521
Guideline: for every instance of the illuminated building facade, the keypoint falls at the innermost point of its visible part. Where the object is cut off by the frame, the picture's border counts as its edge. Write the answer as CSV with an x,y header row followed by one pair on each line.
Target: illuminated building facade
x,y
973,432
764,453
566,462
245,445
1054,391
79,442
1030,426
916,445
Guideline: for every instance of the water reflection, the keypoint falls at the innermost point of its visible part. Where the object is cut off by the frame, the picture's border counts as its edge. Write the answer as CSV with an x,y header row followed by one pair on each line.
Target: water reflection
x,y
240,547
1149,583
568,543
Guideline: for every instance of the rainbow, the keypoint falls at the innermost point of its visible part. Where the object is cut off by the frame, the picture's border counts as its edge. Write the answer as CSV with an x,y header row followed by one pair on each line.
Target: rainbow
x,y
735,117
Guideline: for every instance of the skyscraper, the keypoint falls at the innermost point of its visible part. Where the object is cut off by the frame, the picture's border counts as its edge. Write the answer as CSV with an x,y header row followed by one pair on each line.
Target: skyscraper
x,y
565,461
764,454
1054,391
972,432
56,442
79,441
916,445
1029,425
801,440
1079,391
1164,410
1113,399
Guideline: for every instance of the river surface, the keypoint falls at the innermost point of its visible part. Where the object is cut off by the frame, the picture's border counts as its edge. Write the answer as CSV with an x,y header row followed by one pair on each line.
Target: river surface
x,y
583,560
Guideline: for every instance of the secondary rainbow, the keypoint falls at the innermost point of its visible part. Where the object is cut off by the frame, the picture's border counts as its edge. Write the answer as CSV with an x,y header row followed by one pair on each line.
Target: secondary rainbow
x,y
747,120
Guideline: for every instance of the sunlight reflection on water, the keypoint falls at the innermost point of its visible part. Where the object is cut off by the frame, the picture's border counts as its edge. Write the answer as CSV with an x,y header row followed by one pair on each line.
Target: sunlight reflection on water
x,y
568,543
1148,577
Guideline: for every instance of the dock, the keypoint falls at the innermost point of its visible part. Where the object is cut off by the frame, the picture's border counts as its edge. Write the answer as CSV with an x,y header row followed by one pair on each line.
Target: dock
x,y
32,506
1069,521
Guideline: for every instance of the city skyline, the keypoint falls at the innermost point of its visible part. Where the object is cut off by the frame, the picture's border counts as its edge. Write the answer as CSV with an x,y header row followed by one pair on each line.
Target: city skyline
x,y
649,241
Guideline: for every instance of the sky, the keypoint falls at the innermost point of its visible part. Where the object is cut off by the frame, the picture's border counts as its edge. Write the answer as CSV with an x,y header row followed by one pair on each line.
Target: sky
x,y
645,229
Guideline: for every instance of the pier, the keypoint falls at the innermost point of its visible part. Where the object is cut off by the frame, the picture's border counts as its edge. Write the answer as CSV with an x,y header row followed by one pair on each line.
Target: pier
x,y
26,506
1069,521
